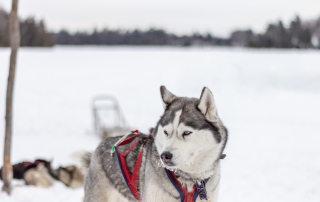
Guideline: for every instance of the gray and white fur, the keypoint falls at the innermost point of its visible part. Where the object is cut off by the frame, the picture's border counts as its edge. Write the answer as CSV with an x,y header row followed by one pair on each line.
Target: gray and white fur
x,y
188,139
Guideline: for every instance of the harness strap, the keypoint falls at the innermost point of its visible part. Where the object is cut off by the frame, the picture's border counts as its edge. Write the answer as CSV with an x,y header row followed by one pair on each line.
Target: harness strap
x,y
176,185
186,196
124,141
131,179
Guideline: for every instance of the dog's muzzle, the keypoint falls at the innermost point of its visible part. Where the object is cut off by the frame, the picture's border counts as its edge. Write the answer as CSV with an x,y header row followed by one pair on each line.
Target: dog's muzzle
x,y
166,157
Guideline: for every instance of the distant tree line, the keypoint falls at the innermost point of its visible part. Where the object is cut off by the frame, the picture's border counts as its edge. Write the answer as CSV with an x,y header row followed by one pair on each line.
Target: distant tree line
x,y
298,34
33,33
135,37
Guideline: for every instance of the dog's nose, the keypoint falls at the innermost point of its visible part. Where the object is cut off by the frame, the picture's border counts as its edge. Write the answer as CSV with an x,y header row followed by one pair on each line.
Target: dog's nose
x,y
166,156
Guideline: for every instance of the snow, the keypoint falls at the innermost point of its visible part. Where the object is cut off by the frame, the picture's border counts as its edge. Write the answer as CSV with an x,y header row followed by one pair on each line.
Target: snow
x,y
268,99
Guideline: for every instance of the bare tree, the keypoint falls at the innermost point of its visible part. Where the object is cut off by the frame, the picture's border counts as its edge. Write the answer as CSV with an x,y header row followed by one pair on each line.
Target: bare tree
x,y
14,33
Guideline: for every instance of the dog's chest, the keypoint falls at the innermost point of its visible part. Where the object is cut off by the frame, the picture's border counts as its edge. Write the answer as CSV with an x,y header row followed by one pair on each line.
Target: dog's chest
x,y
156,185
157,193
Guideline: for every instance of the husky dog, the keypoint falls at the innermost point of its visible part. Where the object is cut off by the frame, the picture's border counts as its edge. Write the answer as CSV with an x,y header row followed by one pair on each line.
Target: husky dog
x,y
188,139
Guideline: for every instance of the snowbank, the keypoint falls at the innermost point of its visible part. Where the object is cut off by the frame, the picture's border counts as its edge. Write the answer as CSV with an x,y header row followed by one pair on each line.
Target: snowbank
x,y
268,99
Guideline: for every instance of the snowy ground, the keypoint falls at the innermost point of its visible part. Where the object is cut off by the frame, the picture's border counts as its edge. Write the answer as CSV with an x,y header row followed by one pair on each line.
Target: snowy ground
x,y
268,99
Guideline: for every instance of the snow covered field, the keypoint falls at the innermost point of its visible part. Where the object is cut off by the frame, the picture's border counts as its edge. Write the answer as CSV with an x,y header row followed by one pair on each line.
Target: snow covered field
x,y
268,99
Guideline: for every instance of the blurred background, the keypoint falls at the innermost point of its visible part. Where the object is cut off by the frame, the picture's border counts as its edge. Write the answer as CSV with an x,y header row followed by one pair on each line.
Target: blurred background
x,y
86,70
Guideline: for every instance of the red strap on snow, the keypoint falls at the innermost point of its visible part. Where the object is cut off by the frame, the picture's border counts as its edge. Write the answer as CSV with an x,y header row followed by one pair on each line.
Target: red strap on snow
x,y
132,178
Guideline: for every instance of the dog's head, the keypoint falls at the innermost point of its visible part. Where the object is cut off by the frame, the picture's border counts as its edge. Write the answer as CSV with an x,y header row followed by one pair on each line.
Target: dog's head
x,y
189,136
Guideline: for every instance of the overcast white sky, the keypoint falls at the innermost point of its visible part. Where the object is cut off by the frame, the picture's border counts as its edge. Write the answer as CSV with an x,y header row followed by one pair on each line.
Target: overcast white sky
x,y
219,17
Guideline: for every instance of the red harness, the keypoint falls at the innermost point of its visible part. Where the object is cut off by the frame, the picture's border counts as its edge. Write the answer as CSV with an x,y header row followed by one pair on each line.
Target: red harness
x,y
132,179
185,196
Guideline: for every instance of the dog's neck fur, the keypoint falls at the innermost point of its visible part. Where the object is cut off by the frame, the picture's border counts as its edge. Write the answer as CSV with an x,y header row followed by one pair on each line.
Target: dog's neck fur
x,y
198,176
189,179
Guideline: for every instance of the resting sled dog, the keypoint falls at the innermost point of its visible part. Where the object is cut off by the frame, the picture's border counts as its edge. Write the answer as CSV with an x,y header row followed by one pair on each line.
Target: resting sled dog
x,y
178,162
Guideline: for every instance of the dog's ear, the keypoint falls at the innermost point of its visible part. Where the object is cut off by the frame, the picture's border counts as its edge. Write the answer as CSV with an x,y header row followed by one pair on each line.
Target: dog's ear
x,y
167,96
207,105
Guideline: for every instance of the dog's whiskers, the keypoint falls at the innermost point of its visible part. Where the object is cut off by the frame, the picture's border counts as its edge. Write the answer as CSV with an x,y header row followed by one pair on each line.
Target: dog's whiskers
x,y
161,164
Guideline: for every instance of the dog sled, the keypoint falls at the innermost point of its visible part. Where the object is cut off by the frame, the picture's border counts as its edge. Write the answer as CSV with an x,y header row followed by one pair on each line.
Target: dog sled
x,y
109,120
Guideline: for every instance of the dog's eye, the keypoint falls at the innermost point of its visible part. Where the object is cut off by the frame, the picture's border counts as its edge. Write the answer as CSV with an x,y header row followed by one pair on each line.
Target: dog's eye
x,y
186,133
165,132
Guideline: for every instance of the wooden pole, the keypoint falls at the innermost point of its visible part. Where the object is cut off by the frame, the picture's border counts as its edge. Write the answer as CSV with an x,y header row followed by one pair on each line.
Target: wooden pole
x,y
14,33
